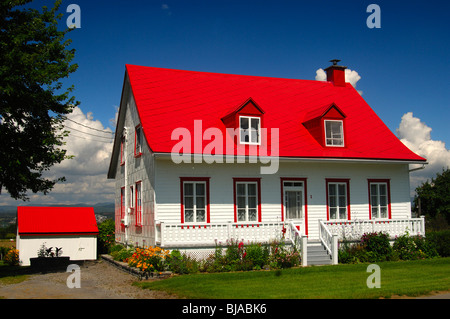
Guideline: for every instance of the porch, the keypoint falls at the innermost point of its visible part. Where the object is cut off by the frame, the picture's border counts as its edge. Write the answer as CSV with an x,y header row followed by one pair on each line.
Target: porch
x,y
203,236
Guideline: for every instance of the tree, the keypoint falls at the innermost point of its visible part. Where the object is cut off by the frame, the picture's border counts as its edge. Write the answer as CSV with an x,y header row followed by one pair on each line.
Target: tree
x,y
433,197
34,57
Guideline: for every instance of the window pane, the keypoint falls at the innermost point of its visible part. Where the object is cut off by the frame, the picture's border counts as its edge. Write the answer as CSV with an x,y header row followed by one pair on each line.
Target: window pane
x,y
188,189
374,189
375,212
255,130
200,189
252,202
200,202
244,130
333,201
374,200
244,123
252,189
201,216
252,214
383,190
332,189
342,213
189,216
241,214
241,189
342,201
188,202
384,212
241,202
342,189
383,201
332,213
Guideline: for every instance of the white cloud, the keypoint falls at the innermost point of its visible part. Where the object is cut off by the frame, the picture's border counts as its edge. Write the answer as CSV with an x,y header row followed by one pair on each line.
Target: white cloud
x,y
351,76
91,145
416,135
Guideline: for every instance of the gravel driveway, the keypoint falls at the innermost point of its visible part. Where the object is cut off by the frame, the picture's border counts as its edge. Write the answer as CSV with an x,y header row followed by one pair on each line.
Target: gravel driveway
x,y
99,280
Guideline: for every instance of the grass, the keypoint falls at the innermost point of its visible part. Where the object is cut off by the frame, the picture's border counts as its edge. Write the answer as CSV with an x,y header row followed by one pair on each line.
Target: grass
x,y
12,274
411,278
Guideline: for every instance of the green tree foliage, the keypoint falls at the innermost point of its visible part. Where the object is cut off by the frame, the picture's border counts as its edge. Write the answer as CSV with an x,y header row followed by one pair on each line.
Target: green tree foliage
x,y
434,197
34,57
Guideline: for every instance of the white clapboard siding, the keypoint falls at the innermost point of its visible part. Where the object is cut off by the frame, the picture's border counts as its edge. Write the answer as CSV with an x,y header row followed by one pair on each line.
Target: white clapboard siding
x,y
221,188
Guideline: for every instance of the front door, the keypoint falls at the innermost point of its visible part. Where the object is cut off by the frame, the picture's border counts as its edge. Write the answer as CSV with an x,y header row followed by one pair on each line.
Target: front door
x,y
293,201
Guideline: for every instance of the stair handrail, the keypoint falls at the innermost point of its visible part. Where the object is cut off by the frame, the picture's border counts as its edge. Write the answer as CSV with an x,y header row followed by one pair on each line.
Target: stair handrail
x,y
299,241
329,241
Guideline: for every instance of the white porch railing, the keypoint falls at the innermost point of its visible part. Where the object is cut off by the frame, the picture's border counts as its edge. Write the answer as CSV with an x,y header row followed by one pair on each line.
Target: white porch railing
x,y
197,235
298,239
329,241
354,229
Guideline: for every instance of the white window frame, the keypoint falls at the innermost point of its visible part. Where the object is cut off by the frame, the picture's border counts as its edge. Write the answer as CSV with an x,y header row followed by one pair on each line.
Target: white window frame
x,y
378,198
334,138
194,206
338,207
246,196
250,118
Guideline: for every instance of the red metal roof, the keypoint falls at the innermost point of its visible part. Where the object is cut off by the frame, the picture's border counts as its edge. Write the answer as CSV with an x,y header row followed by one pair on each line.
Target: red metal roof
x,y
167,99
56,220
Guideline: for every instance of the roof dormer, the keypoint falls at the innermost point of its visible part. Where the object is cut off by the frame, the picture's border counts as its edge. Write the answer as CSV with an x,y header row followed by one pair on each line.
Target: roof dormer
x,y
327,125
247,117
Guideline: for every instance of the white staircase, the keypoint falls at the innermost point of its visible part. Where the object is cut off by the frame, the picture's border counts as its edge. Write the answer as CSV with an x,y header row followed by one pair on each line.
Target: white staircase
x,y
317,254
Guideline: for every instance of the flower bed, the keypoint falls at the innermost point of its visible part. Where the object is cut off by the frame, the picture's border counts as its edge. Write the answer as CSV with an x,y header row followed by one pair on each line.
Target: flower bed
x,y
234,255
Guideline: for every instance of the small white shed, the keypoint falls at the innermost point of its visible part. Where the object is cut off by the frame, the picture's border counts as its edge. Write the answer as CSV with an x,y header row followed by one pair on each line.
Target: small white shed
x,y
73,229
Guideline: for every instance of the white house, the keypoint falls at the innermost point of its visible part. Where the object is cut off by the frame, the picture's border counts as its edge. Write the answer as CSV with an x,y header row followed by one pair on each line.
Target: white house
x,y
203,157
73,229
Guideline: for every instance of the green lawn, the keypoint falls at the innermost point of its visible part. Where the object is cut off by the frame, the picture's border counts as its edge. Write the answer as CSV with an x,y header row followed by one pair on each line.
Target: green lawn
x,y
411,278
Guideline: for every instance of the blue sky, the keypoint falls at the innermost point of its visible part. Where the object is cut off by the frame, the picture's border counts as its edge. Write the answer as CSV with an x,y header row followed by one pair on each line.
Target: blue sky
x,y
403,65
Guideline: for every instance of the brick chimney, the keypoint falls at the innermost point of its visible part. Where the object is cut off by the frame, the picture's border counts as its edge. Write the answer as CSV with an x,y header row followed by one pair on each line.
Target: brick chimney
x,y
336,73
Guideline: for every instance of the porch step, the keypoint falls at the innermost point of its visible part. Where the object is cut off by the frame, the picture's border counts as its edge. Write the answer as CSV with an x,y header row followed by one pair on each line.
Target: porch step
x,y
317,254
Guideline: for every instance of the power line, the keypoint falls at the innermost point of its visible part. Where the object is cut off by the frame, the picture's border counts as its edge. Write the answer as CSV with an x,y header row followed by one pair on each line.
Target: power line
x,y
104,137
88,139
102,131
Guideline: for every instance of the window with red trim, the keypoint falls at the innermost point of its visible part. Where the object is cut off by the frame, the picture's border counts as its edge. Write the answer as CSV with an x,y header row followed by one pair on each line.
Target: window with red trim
x,y
122,203
138,139
195,200
122,149
138,203
379,198
247,199
338,199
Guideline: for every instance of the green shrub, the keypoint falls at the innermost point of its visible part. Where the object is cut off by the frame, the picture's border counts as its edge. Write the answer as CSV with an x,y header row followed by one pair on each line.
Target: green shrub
x,y
414,247
122,254
105,238
377,245
441,242
181,263
257,254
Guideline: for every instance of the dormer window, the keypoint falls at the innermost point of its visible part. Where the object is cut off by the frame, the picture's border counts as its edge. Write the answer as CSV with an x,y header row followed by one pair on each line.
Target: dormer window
x,y
249,130
334,133
326,126
246,120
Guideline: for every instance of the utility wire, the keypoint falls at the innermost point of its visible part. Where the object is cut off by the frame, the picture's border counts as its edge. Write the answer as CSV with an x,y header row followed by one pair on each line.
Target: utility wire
x,y
88,139
104,137
103,131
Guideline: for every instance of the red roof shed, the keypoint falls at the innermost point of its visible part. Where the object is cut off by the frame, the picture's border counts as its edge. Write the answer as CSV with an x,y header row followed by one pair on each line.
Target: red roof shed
x,y
56,221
